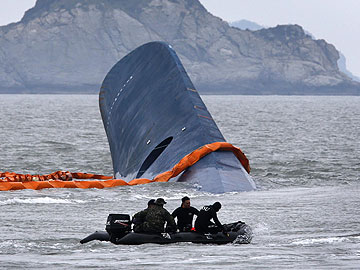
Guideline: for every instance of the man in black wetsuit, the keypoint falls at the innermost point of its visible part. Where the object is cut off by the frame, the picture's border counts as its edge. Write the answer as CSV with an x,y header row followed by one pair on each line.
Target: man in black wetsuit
x,y
203,222
184,215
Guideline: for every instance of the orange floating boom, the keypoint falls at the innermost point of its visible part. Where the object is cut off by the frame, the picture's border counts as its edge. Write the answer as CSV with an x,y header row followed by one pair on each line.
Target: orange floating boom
x,y
62,179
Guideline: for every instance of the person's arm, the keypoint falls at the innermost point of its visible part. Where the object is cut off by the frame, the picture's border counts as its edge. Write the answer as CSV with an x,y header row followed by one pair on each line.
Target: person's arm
x,y
215,218
195,211
175,213
169,219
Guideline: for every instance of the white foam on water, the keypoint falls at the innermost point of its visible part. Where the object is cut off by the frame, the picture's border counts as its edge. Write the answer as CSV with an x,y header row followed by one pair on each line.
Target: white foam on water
x,y
325,240
261,229
140,197
44,200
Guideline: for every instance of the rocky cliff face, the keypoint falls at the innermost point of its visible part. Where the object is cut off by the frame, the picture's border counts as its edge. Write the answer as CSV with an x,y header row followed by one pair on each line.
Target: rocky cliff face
x,y
70,45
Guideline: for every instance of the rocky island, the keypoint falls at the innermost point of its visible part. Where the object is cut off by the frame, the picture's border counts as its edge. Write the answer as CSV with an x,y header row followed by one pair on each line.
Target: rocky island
x,y
68,46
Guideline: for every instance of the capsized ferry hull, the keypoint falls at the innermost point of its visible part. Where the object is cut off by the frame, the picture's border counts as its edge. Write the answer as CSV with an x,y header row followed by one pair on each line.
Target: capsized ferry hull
x,y
153,116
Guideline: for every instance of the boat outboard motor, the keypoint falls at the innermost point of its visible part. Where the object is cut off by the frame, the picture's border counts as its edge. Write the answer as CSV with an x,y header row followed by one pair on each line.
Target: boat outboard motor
x,y
118,225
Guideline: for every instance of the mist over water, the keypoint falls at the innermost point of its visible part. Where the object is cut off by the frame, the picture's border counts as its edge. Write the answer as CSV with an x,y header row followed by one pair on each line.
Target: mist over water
x,y
304,153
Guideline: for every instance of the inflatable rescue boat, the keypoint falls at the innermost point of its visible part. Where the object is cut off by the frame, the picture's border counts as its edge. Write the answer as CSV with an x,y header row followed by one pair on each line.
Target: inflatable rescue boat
x,y
118,231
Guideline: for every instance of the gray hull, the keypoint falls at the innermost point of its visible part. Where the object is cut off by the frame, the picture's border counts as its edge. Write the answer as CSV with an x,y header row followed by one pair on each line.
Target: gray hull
x,y
153,117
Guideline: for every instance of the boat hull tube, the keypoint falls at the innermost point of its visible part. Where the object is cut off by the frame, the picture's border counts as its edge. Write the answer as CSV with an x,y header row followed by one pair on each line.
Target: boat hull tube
x,y
241,235
153,117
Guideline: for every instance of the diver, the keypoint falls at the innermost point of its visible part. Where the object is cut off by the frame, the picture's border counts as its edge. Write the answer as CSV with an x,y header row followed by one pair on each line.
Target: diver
x,y
153,218
203,223
184,215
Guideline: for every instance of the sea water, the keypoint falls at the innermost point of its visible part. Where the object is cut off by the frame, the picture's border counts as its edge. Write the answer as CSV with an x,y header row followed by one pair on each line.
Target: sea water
x,y
305,159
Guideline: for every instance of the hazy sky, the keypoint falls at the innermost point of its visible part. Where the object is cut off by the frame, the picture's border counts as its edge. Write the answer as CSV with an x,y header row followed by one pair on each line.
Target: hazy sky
x,y
336,21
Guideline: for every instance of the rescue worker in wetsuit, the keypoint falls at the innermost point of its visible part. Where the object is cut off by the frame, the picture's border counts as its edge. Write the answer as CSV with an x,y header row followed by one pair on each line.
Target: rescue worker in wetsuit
x,y
152,219
203,223
184,215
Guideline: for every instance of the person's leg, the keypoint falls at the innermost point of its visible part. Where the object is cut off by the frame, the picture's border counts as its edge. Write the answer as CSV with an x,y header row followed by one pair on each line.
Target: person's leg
x,y
200,229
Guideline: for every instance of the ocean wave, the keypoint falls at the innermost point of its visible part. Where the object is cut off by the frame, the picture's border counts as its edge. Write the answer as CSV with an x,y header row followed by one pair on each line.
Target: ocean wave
x,y
261,229
44,200
324,240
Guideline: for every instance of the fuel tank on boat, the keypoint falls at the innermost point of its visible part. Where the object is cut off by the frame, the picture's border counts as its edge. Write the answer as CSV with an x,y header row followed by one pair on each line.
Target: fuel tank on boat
x,y
153,116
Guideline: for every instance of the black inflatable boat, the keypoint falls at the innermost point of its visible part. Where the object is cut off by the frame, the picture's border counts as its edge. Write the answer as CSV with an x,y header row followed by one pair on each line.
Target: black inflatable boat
x,y
118,231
